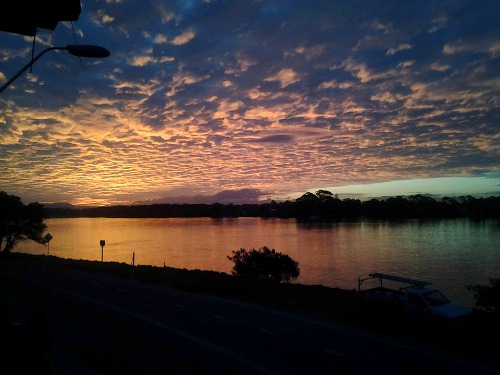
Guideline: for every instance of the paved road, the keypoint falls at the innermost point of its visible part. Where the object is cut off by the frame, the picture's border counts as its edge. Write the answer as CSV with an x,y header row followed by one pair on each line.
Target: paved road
x,y
96,324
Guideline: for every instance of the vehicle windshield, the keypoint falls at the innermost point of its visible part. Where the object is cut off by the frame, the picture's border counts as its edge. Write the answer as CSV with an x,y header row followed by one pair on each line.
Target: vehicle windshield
x,y
435,298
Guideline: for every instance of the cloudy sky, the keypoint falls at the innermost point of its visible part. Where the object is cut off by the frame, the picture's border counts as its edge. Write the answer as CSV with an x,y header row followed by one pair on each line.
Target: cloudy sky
x,y
250,100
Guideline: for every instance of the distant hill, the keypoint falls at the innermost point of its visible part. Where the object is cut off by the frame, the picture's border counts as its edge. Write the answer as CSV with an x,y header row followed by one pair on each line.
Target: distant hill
x,y
65,205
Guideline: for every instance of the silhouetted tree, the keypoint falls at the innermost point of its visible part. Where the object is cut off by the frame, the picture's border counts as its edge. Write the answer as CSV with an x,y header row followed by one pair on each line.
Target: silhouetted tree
x,y
264,264
351,208
329,206
19,222
307,205
325,195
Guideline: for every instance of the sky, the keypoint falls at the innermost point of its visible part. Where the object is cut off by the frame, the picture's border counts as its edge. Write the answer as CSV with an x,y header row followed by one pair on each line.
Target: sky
x,y
246,101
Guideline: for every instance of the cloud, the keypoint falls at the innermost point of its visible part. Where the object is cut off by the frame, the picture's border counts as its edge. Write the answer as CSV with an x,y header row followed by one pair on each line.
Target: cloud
x,y
183,38
438,23
491,47
277,138
361,71
237,196
439,67
285,77
223,96
386,97
103,17
401,47
385,28
312,52
160,39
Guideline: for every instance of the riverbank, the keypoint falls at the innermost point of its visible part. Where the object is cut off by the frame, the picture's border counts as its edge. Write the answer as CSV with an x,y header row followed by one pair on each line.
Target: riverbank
x,y
332,305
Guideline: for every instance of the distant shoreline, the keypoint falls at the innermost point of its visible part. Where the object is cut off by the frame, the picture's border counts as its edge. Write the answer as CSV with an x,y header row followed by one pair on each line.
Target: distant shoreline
x,y
309,207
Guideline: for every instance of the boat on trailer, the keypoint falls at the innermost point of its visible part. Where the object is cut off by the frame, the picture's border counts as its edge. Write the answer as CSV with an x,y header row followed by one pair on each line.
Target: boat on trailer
x,y
415,298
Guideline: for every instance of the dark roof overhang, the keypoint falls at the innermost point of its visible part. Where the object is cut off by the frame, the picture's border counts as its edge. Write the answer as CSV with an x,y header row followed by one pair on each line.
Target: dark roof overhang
x,y
26,17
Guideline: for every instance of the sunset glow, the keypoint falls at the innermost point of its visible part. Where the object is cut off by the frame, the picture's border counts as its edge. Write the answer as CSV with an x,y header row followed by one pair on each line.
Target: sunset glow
x,y
278,98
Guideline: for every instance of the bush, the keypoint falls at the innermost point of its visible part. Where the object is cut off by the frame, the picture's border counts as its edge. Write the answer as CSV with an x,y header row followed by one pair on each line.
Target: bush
x,y
264,264
487,296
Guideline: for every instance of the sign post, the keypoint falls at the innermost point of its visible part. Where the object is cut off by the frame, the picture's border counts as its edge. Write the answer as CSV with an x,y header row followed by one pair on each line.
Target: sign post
x,y
46,240
103,242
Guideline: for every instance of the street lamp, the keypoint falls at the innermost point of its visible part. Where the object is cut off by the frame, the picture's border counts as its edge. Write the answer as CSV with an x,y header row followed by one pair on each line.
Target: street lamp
x,y
84,50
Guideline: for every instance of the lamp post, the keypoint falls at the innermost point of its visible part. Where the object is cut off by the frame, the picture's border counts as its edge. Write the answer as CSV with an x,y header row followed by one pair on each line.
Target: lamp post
x,y
84,50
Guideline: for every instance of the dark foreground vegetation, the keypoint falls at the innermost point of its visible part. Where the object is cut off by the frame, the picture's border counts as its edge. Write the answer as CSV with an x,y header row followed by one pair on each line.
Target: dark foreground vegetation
x,y
338,306
322,206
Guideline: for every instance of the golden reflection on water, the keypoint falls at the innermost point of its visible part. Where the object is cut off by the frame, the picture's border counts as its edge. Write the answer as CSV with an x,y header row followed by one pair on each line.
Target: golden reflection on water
x,y
450,253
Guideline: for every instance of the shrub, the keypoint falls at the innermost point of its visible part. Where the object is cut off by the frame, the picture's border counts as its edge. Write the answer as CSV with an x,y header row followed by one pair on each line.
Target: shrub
x,y
264,264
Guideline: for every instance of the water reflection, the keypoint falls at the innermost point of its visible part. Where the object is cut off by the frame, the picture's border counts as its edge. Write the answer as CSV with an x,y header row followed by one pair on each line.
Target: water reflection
x,y
450,253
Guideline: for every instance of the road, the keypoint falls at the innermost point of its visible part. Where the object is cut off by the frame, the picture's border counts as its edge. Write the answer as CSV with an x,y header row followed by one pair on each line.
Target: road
x,y
73,322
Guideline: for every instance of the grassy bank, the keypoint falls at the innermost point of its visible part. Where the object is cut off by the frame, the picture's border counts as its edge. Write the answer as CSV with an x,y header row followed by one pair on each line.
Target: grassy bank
x,y
323,302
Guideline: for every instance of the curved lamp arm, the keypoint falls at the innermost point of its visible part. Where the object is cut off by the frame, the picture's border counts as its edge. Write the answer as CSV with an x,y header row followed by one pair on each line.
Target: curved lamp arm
x,y
86,50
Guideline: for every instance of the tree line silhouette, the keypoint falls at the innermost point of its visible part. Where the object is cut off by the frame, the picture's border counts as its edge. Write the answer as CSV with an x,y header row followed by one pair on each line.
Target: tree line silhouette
x,y
320,206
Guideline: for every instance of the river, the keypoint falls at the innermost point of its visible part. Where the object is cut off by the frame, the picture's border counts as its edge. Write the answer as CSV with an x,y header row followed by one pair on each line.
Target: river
x,y
449,253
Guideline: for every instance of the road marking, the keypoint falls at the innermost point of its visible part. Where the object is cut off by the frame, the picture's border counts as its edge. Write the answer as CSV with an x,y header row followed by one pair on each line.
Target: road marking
x,y
268,332
111,346
200,341
329,351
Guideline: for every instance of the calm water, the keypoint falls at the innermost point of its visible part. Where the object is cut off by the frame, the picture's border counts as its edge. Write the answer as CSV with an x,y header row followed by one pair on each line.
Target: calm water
x,y
450,253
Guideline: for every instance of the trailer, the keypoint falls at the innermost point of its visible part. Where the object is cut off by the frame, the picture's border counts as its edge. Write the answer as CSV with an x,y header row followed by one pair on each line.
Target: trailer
x,y
415,298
